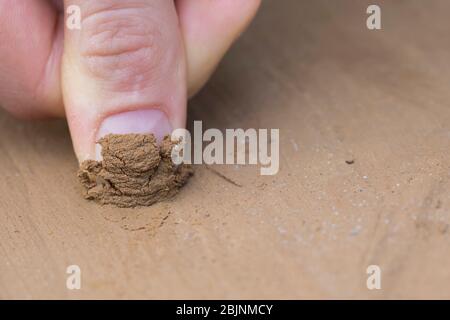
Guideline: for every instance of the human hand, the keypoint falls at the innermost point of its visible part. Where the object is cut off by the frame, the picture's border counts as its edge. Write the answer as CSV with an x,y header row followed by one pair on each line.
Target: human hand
x,y
129,69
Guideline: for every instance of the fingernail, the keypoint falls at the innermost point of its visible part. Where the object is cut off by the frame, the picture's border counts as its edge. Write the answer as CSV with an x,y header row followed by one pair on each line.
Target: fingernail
x,y
139,121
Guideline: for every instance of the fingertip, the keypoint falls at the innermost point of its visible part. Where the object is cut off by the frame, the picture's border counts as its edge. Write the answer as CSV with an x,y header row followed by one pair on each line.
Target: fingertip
x,y
143,121
209,28
123,72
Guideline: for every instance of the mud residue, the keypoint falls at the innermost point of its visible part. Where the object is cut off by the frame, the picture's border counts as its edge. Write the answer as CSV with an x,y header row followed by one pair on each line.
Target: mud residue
x,y
135,171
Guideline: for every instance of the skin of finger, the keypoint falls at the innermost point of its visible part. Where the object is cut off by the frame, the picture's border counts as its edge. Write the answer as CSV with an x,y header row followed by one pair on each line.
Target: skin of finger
x,y
45,99
209,29
128,55
30,52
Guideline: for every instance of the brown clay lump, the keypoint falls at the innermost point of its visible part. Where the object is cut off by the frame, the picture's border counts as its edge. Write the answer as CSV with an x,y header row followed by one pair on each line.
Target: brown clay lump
x,y
135,171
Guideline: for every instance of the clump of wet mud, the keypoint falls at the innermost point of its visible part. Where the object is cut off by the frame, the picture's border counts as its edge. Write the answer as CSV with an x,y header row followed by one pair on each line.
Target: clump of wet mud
x,y
135,171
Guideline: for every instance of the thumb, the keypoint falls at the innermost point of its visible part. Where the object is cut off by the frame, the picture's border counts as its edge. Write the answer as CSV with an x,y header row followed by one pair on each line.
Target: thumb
x,y
123,71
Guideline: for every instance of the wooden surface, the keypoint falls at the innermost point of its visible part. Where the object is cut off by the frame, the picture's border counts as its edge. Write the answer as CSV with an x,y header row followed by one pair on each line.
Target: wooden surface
x,y
337,92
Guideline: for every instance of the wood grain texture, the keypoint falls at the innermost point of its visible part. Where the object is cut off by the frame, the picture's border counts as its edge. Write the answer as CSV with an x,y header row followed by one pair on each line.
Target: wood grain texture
x,y
337,92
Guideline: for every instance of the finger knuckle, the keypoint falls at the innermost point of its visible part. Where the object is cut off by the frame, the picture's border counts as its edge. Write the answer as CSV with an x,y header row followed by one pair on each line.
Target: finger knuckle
x,y
121,46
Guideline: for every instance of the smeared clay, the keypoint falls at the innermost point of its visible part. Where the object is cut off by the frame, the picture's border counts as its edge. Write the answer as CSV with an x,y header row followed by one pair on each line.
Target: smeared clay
x,y
135,171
